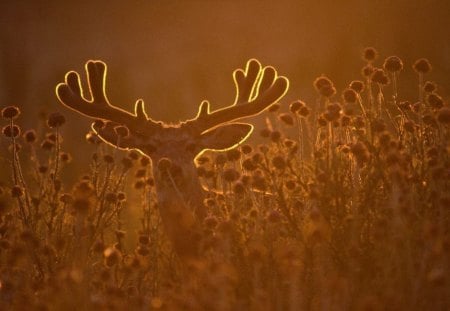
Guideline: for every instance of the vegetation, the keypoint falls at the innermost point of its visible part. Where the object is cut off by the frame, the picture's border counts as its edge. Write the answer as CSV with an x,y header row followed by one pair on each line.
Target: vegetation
x,y
344,205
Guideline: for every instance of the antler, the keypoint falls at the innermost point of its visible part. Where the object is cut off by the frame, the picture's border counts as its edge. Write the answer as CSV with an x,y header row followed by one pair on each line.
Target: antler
x,y
70,94
257,88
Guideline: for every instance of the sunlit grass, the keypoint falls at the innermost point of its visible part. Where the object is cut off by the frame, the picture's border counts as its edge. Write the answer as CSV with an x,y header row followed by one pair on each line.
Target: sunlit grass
x,y
343,207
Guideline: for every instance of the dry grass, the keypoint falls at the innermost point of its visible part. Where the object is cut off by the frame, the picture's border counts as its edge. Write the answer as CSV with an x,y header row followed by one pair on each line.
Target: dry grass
x,y
351,212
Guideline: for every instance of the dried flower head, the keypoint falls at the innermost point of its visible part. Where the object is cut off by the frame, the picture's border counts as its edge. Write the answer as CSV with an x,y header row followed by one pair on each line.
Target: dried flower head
x,y
55,120
65,157
367,71
357,86
279,162
435,101
429,87
248,165
349,95
144,161
422,66
393,64
11,131
304,111
286,119
246,149
93,138
380,77
30,136
230,175
274,107
370,54
220,160
275,136
296,105
322,81
17,191
112,256
233,155
10,112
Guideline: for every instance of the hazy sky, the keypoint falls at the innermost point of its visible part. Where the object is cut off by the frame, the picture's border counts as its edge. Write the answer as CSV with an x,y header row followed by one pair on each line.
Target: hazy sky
x,y
174,54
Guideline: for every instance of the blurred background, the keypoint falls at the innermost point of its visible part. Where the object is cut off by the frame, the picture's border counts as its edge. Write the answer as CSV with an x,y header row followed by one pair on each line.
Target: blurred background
x,y
174,54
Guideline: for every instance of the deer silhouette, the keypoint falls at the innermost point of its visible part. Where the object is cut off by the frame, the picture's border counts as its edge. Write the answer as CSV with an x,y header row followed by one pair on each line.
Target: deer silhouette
x,y
173,147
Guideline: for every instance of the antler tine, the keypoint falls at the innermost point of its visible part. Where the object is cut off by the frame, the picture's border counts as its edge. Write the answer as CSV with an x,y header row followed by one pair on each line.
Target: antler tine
x,y
257,88
70,94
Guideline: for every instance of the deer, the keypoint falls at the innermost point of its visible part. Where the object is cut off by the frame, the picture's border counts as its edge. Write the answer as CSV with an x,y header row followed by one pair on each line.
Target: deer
x,y
173,148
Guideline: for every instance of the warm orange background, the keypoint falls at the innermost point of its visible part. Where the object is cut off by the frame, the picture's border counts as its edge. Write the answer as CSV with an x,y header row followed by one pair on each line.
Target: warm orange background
x,y
174,54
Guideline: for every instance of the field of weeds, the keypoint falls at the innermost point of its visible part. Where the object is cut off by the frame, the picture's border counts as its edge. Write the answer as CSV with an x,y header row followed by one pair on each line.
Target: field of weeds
x,y
343,204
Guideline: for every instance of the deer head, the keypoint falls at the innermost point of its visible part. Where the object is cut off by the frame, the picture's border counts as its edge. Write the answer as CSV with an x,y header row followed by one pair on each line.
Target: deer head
x,y
173,148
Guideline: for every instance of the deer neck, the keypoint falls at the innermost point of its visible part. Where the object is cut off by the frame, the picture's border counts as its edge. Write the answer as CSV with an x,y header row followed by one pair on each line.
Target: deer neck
x,y
180,200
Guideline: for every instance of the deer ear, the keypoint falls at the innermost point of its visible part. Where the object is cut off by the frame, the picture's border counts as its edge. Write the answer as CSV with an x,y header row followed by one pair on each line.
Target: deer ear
x,y
226,136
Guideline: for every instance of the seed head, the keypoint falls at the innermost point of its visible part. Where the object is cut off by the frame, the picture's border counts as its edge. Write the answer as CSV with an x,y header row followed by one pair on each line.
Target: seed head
x,y
322,121
10,112
121,196
422,65
435,101
239,188
65,157
321,82
112,256
220,159
275,136
357,86
233,155
349,95
367,71
274,107
210,222
93,138
55,120
230,175
409,126
370,54
66,198
304,111
11,131
248,165
257,157
380,77
296,105
30,136
16,191
279,162
246,149
144,239
359,150
287,119
393,64
145,161
405,105
429,87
